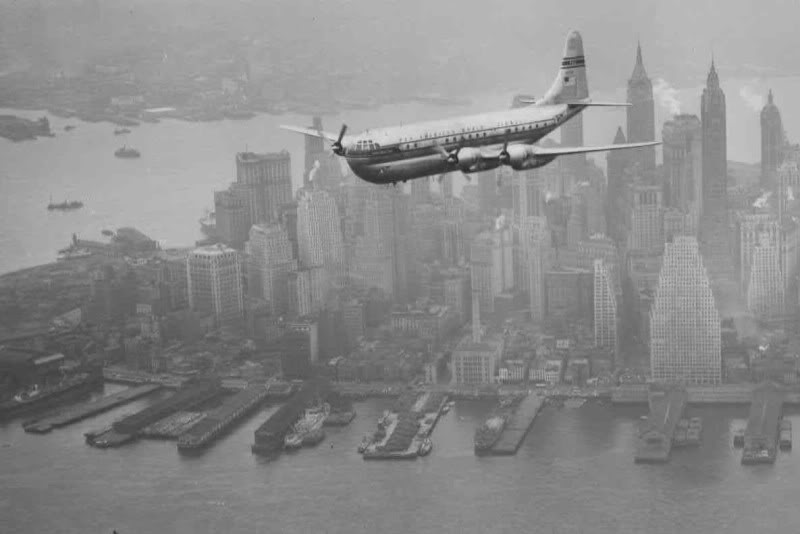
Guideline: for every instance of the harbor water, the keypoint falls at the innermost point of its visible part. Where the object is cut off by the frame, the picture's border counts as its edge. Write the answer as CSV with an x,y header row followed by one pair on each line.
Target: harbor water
x,y
573,473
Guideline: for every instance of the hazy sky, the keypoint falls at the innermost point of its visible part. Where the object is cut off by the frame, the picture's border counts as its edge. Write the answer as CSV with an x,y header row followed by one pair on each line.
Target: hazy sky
x,y
516,41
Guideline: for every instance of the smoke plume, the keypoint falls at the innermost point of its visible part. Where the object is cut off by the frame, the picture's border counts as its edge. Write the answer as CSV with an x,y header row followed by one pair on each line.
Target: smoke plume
x,y
751,97
313,171
667,96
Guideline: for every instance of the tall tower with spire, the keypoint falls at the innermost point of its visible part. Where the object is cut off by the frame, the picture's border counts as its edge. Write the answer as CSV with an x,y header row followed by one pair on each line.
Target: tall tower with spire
x,y
714,235
772,142
715,146
641,115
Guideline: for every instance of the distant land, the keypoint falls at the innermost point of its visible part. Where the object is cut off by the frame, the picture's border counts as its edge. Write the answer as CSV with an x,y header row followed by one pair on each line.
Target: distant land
x,y
19,129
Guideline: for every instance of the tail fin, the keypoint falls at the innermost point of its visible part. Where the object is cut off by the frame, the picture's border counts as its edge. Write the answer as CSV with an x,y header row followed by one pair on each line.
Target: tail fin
x,y
570,85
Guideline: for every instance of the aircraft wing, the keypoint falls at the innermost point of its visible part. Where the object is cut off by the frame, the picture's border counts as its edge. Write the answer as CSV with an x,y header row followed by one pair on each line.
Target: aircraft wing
x,y
565,151
311,132
589,103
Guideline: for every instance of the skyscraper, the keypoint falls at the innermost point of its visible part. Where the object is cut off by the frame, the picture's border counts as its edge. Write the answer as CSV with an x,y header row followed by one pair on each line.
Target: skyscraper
x,y
536,253
269,262
646,231
491,265
683,163
715,151
319,234
215,282
267,180
765,289
616,163
713,228
752,227
573,167
685,340
641,116
772,141
605,308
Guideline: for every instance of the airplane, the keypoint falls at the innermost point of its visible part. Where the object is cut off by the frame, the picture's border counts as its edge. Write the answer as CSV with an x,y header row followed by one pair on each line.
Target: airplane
x,y
477,142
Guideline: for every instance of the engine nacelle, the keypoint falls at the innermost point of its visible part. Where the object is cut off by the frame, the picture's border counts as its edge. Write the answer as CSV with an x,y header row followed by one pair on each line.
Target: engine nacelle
x,y
522,157
467,157
518,155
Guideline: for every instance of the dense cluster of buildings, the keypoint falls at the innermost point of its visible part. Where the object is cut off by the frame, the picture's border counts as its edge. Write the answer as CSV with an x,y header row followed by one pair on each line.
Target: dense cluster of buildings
x,y
568,272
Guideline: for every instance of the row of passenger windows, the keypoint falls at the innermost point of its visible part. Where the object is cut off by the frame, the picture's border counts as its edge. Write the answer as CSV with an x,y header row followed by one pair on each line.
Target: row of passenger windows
x,y
479,135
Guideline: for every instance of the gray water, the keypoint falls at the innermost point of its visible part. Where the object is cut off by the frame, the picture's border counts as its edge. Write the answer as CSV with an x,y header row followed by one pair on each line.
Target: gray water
x,y
166,191
574,473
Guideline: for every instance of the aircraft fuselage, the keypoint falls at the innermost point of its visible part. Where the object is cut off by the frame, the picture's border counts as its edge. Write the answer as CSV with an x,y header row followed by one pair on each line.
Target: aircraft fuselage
x,y
400,153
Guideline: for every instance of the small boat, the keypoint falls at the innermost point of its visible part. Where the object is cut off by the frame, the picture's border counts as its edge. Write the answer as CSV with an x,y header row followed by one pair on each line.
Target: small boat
x,y
364,444
68,127
445,408
126,152
120,131
292,441
425,447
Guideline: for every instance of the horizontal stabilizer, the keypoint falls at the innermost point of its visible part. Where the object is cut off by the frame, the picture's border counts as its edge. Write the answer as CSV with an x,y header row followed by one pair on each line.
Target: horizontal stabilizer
x,y
565,151
311,132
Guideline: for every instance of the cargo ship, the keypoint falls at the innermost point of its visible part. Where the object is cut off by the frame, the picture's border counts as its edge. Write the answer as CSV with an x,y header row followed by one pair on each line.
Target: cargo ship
x,y
126,152
65,206
269,437
37,398
308,430
488,433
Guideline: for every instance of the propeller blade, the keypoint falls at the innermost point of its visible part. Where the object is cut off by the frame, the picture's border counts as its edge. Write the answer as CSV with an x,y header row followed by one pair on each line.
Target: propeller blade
x,y
336,147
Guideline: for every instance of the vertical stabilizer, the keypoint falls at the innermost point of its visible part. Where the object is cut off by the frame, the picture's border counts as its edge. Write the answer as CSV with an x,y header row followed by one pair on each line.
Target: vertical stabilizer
x,y
570,85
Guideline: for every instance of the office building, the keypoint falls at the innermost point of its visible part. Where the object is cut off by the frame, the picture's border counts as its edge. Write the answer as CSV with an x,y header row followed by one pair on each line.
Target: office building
x,y
765,289
214,276
685,337
266,182
605,308
270,260
319,234
683,163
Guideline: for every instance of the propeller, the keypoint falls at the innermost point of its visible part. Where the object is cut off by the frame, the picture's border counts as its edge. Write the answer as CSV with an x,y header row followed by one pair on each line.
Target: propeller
x,y
337,147
449,157
503,156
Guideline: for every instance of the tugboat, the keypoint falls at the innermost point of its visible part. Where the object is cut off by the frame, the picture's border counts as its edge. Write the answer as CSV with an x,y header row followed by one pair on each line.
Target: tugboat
x,y
364,443
126,152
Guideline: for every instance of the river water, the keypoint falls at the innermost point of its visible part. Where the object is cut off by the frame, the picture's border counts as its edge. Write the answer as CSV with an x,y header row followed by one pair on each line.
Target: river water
x,y
574,473
166,191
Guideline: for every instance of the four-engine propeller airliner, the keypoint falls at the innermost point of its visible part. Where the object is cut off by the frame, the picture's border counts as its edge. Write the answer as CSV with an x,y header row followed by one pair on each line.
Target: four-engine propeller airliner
x,y
477,142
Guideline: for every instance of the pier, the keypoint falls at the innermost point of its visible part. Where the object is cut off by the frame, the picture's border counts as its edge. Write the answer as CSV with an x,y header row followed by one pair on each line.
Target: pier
x,y
656,433
218,421
761,434
269,436
79,413
518,425
173,426
402,431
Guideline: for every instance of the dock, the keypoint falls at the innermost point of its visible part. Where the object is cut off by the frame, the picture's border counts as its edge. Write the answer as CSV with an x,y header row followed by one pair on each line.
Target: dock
x,y
761,434
518,425
84,411
656,433
402,431
171,427
269,436
218,421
